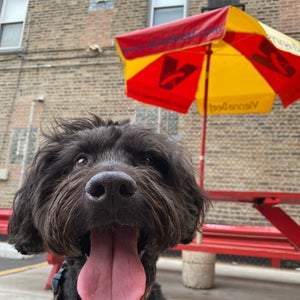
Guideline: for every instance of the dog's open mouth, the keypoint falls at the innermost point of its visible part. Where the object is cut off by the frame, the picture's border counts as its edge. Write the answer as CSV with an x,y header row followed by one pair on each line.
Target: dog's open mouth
x,y
113,270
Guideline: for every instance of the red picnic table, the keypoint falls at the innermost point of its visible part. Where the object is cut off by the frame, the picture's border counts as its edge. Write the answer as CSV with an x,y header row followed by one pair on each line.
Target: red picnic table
x,y
266,203
281,241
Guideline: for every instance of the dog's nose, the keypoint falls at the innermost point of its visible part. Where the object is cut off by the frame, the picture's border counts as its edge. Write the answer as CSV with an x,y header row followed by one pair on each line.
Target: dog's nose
x,y
110,188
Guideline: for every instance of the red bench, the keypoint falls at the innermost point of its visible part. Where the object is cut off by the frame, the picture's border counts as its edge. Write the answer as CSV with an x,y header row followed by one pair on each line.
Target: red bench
x,y
4,217
267,242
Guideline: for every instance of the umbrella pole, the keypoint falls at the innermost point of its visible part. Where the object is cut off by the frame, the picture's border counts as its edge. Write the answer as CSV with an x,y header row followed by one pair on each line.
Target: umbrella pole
x,y
203,139
202,150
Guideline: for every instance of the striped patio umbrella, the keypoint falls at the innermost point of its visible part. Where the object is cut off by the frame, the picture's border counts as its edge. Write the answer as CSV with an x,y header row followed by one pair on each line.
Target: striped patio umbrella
x,y
225,60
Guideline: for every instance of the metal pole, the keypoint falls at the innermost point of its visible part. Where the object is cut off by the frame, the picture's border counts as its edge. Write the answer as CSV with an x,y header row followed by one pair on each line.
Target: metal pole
x,y
202,150
159,120
25,156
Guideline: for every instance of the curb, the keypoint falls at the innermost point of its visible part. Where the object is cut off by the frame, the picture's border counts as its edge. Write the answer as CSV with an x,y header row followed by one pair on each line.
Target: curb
x,y
238,271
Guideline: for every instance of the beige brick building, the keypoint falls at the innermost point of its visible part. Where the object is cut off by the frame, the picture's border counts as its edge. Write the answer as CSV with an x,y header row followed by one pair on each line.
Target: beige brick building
x,y
62,53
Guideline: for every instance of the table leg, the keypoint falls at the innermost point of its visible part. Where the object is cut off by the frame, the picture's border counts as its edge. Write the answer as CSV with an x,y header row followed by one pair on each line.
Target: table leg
x,y
288,227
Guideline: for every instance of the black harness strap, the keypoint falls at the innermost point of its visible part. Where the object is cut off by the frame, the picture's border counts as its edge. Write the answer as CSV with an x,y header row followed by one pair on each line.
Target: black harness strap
x,y
57,281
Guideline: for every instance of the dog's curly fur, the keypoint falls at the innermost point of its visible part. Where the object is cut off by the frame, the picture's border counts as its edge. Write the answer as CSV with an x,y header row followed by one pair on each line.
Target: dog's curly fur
x,y
53,212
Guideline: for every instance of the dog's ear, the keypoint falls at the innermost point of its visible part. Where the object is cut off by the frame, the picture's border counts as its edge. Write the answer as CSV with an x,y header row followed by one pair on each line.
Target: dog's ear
x,y
22,232
197,206
193,196
188,239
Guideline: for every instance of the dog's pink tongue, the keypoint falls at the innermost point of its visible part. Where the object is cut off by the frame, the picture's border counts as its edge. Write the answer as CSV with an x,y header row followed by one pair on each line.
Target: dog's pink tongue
x,y
113,270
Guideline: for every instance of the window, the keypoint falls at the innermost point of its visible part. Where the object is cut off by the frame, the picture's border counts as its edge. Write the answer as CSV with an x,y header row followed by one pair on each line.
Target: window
x,y
18,145
164,120
162,11
213,4
221,3
12,20
101,4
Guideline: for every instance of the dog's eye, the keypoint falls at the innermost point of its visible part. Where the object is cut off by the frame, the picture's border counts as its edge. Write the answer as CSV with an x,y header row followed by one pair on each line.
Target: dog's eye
x,y
81,161
147,160
156,162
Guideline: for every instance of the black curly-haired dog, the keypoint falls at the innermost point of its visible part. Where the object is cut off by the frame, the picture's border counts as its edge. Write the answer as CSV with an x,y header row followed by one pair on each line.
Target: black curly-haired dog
x,y
110,197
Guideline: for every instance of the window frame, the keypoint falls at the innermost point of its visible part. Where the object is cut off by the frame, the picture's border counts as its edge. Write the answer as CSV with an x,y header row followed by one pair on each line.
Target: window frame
x,y
162,120
154,5
18,145
3,4
95,5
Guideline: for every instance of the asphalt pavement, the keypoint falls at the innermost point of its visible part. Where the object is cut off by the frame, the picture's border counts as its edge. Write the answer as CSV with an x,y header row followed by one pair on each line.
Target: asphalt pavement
x,y
21,280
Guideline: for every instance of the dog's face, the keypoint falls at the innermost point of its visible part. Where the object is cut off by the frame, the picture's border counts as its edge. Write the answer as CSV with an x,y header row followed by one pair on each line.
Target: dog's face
x,y
113,193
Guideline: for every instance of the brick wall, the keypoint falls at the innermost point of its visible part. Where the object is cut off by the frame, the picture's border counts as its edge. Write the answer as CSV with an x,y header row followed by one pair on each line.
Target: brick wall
x,y
289,22
249,152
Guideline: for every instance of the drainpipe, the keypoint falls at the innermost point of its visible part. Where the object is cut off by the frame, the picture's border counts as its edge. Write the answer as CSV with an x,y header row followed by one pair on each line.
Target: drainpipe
x,y
27,140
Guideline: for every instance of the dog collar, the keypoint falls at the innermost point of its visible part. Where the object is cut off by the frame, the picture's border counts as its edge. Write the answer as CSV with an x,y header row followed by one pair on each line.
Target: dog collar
x,y
57,280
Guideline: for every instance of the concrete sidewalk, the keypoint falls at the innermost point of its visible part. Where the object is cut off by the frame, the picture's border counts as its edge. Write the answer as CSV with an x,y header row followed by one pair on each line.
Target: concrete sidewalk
x,y
233,282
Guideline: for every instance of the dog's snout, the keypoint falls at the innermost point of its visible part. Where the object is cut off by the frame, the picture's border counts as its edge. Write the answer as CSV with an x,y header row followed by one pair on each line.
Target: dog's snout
x,y
110,187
